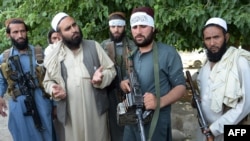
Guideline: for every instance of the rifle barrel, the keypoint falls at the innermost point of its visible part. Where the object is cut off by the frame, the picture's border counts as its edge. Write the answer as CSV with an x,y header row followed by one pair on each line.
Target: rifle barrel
x,y
201,118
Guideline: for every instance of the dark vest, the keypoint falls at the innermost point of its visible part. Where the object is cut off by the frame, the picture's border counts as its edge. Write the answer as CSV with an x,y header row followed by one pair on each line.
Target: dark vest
x,y
90,59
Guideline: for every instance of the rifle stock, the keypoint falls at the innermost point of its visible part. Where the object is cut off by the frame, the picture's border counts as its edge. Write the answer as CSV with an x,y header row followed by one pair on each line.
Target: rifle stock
x,y
201,117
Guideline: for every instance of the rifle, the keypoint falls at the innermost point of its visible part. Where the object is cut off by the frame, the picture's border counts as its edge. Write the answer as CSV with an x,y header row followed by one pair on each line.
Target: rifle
x,y
135,99
196,99
27,86
131,110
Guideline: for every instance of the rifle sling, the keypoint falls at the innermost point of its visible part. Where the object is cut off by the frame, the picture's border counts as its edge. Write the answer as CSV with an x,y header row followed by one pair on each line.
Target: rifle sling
x,y
157,91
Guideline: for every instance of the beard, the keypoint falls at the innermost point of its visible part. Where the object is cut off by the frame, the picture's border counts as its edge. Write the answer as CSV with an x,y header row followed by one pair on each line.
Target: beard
x,y
20,45
215,57
73,42
117,39
147,40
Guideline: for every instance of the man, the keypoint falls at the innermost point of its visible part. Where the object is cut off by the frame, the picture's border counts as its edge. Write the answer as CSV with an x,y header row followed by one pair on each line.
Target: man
x,y
223,81
171,77
59,135
53,37
28,107
116,47
77,70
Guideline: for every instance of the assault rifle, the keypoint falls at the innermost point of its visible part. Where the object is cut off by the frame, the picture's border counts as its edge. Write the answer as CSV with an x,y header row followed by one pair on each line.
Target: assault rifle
x,y
196,99
135,99
131,110
27,86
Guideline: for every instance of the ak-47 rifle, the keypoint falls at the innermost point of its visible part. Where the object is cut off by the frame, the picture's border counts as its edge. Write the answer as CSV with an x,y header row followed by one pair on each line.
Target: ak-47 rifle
x,y
201,117
27,86
135,99
131,110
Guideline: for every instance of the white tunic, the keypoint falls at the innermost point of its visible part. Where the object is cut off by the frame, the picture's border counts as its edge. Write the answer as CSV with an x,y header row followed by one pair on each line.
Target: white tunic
x,y
217,120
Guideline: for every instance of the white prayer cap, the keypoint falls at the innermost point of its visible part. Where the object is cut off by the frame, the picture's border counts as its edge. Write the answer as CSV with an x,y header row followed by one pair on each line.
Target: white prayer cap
x,y
218,21
57,18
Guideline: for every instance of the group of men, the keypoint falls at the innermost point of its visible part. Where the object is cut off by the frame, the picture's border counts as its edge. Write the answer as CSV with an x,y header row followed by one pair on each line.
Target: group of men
x,y
87,80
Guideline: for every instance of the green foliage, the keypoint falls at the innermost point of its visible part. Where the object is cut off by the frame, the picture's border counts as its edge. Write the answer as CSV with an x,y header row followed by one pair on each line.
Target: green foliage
x,y
179,23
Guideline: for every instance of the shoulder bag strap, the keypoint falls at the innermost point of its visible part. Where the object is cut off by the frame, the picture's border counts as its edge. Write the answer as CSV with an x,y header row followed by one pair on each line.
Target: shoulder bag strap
x,y
157,90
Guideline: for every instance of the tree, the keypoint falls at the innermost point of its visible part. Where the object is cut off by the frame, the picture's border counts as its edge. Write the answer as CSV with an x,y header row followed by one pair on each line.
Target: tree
x,y
179,23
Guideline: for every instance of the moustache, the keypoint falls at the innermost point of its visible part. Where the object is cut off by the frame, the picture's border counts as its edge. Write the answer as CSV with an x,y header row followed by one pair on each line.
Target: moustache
x,y
21,38
139,36
76,34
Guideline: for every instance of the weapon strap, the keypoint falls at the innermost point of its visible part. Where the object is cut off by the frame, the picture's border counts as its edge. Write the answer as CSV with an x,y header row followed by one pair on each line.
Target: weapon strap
x,y
111,51
31,63
157,90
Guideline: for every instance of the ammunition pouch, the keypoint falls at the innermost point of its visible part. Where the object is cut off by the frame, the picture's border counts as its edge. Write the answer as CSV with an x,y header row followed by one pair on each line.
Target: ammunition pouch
x,y
127,115
40,69
40,73
11,84
15,92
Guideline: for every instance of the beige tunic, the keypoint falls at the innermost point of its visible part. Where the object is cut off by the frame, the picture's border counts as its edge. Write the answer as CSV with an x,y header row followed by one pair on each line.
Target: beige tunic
x,y
83,122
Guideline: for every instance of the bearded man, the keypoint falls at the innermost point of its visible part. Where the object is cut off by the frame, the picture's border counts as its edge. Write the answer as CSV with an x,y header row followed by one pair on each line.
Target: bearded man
x,y
117,47
223,81
77,71
145,59
22,124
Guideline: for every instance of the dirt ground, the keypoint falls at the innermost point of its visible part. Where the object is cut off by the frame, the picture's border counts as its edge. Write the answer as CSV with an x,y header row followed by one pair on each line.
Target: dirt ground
x,y
182,114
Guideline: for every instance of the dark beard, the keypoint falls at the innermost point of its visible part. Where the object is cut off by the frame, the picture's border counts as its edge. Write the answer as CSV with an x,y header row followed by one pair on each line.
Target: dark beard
x,y
20,46
117,39
73,43
148,40
215,57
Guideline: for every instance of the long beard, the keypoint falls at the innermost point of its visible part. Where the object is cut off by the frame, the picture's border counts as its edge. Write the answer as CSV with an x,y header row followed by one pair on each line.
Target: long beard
x,y
20,45
73,43
117,39
147,40
215,57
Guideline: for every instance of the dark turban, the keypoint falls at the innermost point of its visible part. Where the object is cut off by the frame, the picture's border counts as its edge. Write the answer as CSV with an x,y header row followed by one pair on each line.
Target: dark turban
x,y
147,10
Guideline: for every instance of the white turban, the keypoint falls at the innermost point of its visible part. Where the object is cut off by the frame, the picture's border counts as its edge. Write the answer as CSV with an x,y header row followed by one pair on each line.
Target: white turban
x,y
141,18
117,22
57,18
218,21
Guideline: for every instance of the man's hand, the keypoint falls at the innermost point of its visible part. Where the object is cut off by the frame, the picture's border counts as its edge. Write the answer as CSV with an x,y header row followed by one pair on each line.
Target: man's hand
x,y
3,107
124,85
58,92
97,77
208,134
150,101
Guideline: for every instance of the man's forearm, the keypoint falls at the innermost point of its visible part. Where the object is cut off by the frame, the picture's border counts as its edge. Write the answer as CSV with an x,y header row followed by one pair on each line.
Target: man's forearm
x,y
174,95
